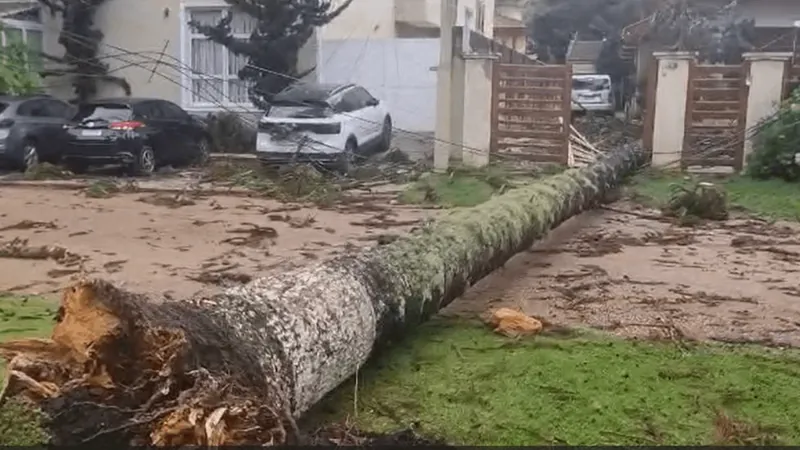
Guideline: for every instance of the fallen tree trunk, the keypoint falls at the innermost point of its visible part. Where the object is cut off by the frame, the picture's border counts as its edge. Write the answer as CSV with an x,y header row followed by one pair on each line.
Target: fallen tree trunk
x,y
238,367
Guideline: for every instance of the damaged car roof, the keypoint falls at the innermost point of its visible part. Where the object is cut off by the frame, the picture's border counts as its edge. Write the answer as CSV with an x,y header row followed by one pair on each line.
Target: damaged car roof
x,y
308,93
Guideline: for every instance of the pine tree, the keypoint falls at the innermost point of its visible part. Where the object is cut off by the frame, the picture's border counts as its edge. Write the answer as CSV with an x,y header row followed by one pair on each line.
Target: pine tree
x,y
282,28
81,41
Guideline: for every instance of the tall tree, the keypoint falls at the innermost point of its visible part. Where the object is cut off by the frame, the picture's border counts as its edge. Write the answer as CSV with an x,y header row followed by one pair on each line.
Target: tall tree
x,y
81,41
15,75
282,28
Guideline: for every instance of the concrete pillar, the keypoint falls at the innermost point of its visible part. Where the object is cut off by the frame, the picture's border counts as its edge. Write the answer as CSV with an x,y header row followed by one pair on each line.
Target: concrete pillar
x,y
476,130
444,88
669,123
765,84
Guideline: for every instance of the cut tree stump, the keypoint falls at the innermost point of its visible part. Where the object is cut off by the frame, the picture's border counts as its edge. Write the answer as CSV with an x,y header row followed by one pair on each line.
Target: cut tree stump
x,y
239,367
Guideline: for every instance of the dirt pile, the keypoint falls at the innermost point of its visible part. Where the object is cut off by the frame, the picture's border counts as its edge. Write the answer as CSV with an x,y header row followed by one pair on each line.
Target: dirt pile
x,y
121,370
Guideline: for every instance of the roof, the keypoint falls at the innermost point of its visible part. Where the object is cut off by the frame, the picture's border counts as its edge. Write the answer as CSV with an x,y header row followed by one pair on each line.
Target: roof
x,y
585,51
309,92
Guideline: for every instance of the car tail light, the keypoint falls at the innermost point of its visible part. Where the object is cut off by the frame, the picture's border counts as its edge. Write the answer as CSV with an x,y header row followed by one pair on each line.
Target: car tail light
x,y
6,123
126,125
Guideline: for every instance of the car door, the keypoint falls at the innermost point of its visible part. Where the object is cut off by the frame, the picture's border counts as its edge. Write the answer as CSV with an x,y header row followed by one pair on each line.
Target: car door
x,y
57,115
185,131
39,125
352,107
372,112
157,130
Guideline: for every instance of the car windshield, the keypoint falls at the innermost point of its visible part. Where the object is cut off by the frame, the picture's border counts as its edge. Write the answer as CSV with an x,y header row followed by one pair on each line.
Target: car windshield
x,y
106,112
294,111
3,106
590,84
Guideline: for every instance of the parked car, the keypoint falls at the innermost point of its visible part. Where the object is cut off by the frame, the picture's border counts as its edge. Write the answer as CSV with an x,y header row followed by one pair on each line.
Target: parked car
x,y
30,129
139,133
592,93
324,123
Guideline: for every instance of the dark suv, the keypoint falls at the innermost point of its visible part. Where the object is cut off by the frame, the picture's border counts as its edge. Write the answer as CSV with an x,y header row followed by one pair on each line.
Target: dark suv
x,y
30,129
141,134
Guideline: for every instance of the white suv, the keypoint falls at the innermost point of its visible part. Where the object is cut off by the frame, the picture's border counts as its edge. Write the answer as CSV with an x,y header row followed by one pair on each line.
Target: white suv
x,y
322,123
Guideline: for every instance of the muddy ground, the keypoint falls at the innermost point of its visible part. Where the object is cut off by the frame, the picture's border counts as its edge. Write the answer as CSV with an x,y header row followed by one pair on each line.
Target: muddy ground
x,y
626,270
181,245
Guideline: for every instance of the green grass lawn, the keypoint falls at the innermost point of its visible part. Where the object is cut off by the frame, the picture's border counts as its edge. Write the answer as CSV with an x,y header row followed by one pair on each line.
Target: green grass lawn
x,y
464,384
22,317
775,199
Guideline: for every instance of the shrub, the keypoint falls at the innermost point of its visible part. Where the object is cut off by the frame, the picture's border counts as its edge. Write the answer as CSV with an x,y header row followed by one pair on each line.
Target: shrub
x,y
230,133
776,143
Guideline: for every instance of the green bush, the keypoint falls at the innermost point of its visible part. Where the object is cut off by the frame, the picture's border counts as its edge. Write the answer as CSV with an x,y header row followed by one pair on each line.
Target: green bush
x,y
776,143
230,133
16,78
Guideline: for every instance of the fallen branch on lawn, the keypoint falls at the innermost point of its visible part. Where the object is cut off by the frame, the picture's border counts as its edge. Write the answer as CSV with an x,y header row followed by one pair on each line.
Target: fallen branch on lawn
x,y
240,366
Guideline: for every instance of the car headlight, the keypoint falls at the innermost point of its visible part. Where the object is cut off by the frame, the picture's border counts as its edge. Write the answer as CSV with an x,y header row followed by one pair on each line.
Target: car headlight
x,y
4,133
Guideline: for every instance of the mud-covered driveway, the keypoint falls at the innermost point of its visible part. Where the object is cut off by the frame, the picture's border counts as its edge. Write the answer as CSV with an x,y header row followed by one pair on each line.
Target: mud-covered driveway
x,y
180,245
629,271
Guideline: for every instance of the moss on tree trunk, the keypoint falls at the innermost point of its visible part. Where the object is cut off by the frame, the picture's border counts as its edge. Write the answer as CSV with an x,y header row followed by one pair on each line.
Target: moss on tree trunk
x,y
240,366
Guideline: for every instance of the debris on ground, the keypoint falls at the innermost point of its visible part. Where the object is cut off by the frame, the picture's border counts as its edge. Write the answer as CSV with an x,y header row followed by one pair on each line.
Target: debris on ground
x,y
31,225
255,235
221,278
701,200
47,171
169,200
513,323
108,188
20,249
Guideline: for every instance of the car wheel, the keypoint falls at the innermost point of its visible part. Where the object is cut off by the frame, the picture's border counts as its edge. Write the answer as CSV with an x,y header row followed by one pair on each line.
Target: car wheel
x,y
386,134
144,163
347,157
30,156
203,152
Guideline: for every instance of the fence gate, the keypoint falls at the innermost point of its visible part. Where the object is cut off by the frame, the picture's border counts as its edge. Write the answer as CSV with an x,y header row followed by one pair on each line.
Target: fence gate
x,y
531,112
716,105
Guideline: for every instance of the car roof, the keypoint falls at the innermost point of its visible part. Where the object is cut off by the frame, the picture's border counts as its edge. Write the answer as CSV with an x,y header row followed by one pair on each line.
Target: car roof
x,y
21,98
310,92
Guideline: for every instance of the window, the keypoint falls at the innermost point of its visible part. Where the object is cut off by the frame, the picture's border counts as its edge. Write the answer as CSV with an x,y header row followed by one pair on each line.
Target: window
x,y
111,112
24,32
55,108
480,16
215,69
172,111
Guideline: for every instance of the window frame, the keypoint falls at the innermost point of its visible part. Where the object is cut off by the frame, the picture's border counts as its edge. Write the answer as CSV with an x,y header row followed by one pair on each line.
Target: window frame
x,y
190,35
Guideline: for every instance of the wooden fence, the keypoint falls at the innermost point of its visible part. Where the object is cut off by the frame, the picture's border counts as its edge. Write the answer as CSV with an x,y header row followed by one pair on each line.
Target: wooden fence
x,y
716,107
531,112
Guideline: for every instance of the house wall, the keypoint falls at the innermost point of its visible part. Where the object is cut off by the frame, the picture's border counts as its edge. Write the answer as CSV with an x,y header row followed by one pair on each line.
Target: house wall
x,y
400,72
143,27
513,38
363,18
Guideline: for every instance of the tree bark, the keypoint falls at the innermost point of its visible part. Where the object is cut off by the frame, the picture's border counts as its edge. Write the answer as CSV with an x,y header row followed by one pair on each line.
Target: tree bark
x,y
238,367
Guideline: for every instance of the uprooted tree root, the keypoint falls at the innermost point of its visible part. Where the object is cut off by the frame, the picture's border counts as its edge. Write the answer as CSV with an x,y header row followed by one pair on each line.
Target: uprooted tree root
x,y
123,370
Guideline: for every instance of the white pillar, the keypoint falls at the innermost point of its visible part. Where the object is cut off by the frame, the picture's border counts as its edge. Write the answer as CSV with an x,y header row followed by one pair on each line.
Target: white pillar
x,y
477,117
444,86
765,82
669,124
